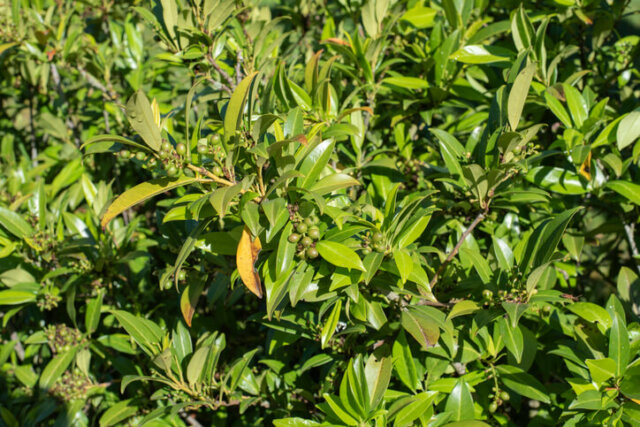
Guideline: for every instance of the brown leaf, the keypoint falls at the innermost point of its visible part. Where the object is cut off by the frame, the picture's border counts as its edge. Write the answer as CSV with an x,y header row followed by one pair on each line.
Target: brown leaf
x,y
335,40
245,259
189,299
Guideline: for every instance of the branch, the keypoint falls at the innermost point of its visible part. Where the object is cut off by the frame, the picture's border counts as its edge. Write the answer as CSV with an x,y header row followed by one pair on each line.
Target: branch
x,y
208,174
482,215
223,74
629,229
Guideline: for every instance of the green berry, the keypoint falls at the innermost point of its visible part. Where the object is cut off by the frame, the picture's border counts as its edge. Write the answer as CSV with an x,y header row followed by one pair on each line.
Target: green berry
x,y
301,227
312,253
140,155
493,407
125,154
152,161
167,285
202,149
377,237
487,294
293,238
181,149
378,247
217,171
215,138
182,275
306,242
309,221
314,233
505,396
166,146
172,171
366,251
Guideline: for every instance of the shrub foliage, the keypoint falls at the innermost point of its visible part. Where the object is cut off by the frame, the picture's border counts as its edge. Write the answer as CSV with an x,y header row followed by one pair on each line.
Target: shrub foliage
x,y
372,212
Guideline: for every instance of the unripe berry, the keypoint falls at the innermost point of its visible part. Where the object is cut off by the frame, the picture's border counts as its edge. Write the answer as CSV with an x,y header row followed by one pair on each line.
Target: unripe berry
x,y
293,238
312,253
377,237
182,275
314,233
172,171
493,407
301,227
166,146
140,155
487,294
306,242
181,149
505,396
202,149
217,171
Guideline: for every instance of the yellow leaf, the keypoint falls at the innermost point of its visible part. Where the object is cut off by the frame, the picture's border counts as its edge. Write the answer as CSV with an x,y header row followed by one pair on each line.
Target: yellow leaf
x,y
585,169
245,259
155,110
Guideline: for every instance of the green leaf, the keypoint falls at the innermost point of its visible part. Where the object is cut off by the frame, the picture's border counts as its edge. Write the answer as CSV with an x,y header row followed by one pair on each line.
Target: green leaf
x,y
403,362
142,192
412,231
340,411
404,263
481,54
418,406
92,315
591,313
140,117
333,182
630,386
619,349
420,16
14,223
462,308
314,163
522,383
513,339
503,253
235,107
378,375
145,332
460,402
196,364
577,105
558,180
479,263
329,327
406,82
222,198
421,324
56,367
14,297
518,94
117,413
628,129
514,311
627,189
339,255
557,109
601,369
590,400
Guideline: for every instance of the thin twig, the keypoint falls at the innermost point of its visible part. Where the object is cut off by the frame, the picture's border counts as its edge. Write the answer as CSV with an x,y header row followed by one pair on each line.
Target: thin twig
x,y
223,74
482,215
629,229
239,61
208,174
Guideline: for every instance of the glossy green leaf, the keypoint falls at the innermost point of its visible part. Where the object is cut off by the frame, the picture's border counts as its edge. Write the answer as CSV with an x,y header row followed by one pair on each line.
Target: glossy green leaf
x,y
235,108
460,402
518,95
523,383
628,129
481,54
142,192
330,325
619,349
339,255
627,189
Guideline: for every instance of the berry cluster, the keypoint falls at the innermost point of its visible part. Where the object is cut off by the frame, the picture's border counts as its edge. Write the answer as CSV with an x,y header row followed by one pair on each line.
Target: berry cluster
x,y
49,299
499,397
306,235
373,241
62,338
213,150
519,296
411,168
71,386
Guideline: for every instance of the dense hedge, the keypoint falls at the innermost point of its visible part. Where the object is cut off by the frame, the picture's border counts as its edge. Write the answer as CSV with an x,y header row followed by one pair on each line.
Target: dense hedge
x,y
380,212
